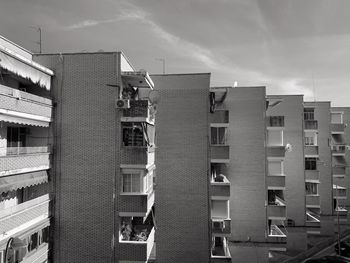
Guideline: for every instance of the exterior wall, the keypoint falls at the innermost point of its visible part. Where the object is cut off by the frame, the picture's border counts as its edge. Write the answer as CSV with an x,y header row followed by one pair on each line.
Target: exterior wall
x,y
87,162
246,170
181,200
322,115
292,109
345,182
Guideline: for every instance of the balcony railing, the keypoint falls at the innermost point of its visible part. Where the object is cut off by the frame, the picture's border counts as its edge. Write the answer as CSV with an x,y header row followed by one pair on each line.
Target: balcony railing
x,y
24,105
337,128
220,152
219,116
312,175
138,110
338,171
339,193
311,150
338,150
24,159
276,182
138,203
310,125
13,217
137,155
221,189
136,250
221,227
26,150
312,201
276,151
276,211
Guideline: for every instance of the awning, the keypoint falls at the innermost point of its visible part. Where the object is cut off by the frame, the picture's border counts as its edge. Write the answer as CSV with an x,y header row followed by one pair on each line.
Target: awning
x,y
138,79
13,182
25,68
25,121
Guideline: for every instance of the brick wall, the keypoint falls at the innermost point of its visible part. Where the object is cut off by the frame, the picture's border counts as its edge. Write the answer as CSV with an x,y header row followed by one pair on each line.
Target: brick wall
x,y
246,170
292,109
86,160
181,202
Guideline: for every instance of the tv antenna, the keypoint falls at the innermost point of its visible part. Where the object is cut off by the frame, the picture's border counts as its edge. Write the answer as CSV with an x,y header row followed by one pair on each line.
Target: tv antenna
x,y
38,29
163,61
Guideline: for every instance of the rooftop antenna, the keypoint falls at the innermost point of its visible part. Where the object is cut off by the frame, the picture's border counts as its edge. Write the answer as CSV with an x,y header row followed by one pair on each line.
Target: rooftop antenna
x,y
313,86
163,61
38,29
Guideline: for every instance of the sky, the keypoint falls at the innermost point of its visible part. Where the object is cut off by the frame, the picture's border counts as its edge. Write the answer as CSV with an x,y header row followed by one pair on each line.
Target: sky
x,y
289,46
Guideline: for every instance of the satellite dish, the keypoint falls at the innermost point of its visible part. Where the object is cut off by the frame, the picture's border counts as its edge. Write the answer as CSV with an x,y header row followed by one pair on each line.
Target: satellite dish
x,y
154,96
288,147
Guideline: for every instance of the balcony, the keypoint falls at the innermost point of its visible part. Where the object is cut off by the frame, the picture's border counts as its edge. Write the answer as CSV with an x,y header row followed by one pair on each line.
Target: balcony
x,y
339,171
276,151
337,128
312,175
221,227
139,111
310,125
137,155
338,150
276,212
220,153
24,216
24,159
277,232
134,251
137,203
312,219
313,201
311,150
220,251
220,186
219,116
339,192
24,108
276,182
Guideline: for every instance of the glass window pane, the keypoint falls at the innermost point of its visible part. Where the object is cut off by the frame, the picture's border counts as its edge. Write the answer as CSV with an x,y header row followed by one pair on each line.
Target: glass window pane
x,y
126,183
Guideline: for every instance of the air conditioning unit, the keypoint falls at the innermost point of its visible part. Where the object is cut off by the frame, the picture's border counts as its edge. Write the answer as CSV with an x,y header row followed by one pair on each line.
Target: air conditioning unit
x,y
122,104
218,225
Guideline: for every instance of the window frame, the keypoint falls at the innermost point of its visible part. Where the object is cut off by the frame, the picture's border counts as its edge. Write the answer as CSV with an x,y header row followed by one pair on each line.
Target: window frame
x,y
275,161
310,160
313,135
270,131
314,186
309,114
217,135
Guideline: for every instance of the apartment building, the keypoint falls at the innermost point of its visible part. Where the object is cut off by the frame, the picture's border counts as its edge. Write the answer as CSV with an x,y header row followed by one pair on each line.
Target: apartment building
x,y
104,162
340,141
25,140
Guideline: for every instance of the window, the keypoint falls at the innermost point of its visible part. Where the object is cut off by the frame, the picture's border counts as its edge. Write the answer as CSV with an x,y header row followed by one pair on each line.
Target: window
x,y
309,114
133,134
148,182
311,188
33,242
337,117
218,135
276,121
275,167
275,137
310,164
310,138
16,136
131,183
